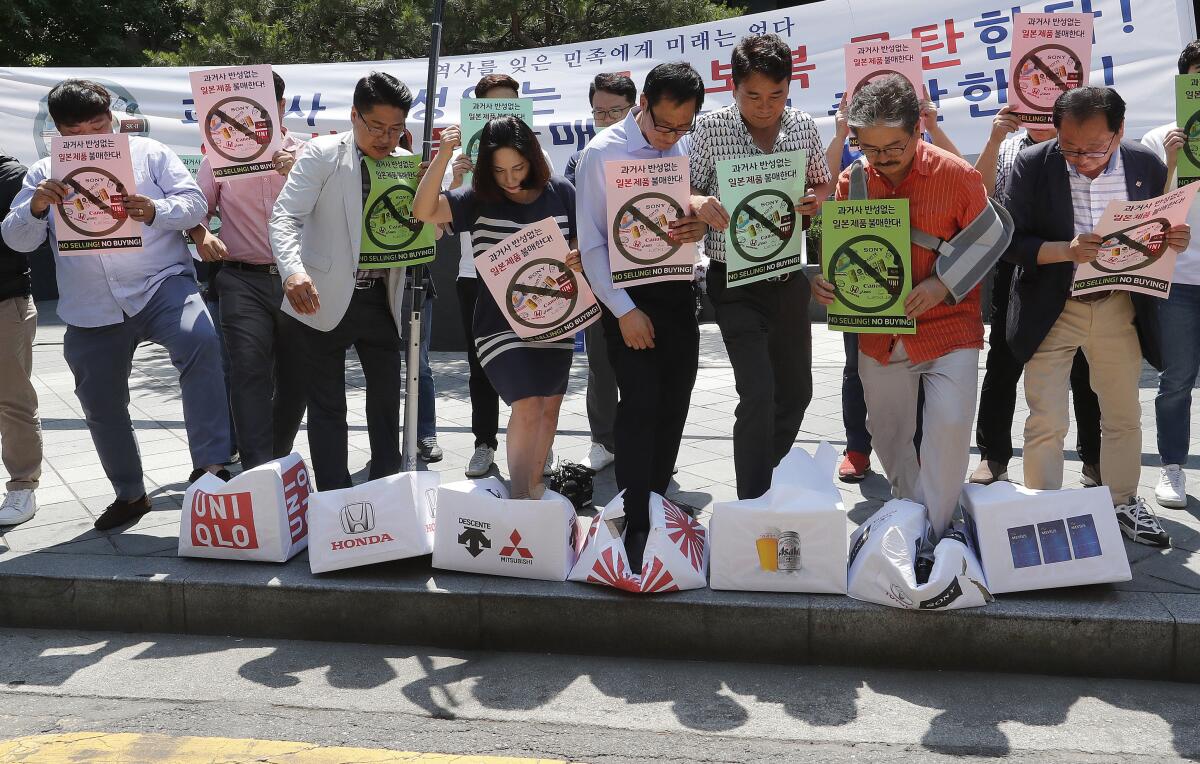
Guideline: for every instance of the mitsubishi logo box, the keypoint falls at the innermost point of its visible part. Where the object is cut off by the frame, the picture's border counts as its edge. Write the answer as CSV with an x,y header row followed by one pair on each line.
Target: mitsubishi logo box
x,y
481,530
1031,539
391,518
259,515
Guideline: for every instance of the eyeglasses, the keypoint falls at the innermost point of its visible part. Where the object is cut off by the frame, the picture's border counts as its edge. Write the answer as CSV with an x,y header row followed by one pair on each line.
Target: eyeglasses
x,y
1067,153
664,130
382,132
891,152
615,113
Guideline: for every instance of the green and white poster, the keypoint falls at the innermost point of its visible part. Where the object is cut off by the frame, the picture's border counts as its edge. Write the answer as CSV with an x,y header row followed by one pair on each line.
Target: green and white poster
x,y
391,237
476,112
866,253
1187,116
764,237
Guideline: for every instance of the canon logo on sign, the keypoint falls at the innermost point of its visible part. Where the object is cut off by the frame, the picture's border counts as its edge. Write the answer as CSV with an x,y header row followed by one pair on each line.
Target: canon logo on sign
x,y
360,541
358,518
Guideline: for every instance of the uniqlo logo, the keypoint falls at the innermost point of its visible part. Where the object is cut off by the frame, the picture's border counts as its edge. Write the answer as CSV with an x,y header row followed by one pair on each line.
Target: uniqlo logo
x,y
295,494
223,520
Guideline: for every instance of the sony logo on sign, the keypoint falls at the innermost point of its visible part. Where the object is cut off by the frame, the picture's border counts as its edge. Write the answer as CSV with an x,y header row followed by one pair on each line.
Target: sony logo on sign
x,y
223,520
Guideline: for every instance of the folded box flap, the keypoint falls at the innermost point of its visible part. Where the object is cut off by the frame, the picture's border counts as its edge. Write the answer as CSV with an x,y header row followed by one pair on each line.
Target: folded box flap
x,y
803,482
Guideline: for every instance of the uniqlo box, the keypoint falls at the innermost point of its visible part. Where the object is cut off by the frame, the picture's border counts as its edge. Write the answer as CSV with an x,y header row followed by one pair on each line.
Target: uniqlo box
x,y
259,515
1031,539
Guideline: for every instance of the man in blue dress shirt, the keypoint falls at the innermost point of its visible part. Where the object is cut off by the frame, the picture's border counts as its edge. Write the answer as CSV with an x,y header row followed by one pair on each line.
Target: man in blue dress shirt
x,y
112,303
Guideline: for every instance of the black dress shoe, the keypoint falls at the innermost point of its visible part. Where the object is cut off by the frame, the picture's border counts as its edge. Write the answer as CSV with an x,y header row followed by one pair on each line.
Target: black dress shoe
x,y
635,548
199,472
121,512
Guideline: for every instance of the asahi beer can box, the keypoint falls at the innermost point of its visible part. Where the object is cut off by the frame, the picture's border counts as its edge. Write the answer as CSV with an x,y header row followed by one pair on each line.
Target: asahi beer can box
x,y
791,539
481,530
1031,539
391,518
259,515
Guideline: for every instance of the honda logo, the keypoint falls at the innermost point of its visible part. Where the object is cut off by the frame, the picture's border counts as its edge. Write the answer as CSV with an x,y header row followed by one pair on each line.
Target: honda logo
x,y
358,518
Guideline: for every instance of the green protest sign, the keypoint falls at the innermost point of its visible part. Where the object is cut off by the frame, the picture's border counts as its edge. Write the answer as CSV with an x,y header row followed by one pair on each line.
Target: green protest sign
x,y
866,253
476,112
764,237
1187,116
391,237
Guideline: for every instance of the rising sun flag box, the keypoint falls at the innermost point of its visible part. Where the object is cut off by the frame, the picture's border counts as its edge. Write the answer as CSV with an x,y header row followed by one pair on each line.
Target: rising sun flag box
x,y
391,518
260,515
1031,539
481,530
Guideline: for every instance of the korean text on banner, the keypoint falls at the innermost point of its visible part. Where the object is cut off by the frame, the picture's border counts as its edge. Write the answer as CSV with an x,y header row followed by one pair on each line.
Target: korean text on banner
x,y
1187,117
1051,54
764,237
239,119
866,253
870,60
644,198
477,112
528,277
92,220
1134,255
391,236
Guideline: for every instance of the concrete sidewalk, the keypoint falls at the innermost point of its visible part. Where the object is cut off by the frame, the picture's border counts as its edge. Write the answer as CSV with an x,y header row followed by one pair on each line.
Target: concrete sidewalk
x,y
57,571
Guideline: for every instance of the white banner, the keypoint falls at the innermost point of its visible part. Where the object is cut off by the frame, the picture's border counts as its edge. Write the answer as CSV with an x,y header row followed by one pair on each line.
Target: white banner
x,y
966,46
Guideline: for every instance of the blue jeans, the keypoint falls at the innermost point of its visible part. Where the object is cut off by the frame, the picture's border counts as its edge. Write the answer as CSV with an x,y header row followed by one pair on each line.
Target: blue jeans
x,y
1179,323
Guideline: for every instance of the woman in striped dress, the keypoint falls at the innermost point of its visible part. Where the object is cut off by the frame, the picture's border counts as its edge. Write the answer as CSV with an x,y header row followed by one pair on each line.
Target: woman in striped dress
x,y
510,189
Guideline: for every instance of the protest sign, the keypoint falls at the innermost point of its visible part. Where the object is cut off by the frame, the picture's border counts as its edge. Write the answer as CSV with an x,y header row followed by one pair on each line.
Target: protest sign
x,y
1134,255
239,119
92,220
644,198
1187,117
528,277
391,236
1051,54
866,253
476,112
764,237
873,59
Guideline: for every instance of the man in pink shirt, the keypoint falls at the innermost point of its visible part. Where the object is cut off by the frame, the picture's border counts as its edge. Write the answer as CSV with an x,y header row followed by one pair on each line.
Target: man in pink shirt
x,y
267,390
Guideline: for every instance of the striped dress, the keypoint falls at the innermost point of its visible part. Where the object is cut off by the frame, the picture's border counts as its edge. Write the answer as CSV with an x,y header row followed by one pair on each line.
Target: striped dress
x,y
516,368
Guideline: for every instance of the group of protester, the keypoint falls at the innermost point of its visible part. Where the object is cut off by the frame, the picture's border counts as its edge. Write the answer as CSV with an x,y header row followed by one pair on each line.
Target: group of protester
x,y
293,297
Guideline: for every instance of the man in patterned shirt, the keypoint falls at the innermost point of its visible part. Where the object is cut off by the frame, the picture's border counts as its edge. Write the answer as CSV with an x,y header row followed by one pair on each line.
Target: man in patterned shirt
x,y
998,395
765,324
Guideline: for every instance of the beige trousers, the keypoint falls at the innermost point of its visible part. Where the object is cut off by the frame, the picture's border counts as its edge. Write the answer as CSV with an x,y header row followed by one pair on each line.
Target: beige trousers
x,y
20,428
1105,331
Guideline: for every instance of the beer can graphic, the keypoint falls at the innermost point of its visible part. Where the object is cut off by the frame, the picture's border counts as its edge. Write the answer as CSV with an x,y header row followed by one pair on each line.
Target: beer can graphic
x,y
78,204
226,134
789,551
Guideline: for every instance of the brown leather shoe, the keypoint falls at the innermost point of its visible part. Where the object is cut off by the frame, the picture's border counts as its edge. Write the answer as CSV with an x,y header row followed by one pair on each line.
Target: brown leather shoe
x,y
989,472
122,512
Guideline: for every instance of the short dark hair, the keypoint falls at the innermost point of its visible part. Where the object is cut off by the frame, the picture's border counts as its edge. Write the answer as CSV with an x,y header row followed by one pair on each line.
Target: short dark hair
x,y
507,133
617,84
766,54
279,85
1189,57
381,88
496,81
888,101
74,102
1086,102
676,81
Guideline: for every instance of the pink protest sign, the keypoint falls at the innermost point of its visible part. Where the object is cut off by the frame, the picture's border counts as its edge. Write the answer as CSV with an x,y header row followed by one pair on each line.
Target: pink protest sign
x,y
1134,255
644,198
239,119
870,60
539,295
97,170
1051,54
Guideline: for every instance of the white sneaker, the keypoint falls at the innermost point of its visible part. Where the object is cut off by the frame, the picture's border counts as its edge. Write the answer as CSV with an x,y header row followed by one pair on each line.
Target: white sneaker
x,y
481,461
548,467
1140,524
598,458
18,506
1172,487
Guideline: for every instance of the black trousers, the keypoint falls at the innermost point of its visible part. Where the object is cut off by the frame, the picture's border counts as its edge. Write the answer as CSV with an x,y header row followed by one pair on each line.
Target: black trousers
x,y
267,391
655,388
768,336
998,395
485,401
370,329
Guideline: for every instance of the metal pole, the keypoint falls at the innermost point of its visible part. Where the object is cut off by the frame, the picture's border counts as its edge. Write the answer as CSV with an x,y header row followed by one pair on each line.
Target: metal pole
x,y
412,366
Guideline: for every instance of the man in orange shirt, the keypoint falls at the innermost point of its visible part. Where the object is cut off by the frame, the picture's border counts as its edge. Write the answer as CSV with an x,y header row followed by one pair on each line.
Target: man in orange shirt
x,y
945,194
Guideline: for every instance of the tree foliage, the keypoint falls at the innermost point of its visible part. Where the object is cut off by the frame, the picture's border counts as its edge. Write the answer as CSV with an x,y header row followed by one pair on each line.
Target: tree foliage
x,y
83,33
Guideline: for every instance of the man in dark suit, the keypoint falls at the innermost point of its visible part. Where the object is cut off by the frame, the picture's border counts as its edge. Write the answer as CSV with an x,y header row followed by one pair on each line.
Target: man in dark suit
x,y
1058,192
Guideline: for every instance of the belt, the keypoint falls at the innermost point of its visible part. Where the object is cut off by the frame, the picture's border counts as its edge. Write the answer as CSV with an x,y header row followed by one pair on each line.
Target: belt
x,y
1093,296
251,267
368,283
